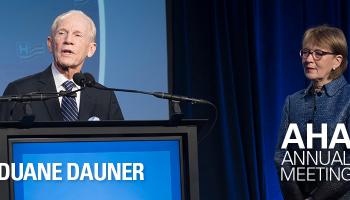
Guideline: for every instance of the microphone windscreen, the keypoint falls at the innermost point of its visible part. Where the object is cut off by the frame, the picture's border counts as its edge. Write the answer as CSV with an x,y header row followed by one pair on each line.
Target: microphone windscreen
x,y
79,79
90,80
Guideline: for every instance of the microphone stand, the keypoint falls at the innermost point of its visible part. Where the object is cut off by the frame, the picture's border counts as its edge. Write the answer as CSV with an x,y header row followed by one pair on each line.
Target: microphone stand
x,y
33,96
87,80
36,96
176,113
175,101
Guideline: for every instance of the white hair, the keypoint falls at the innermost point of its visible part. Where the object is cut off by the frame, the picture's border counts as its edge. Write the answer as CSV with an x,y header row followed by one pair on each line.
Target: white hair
x,y
61,16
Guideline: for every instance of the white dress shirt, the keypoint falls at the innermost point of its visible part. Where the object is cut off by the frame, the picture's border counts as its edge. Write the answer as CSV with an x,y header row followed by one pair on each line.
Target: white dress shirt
x,y
59,80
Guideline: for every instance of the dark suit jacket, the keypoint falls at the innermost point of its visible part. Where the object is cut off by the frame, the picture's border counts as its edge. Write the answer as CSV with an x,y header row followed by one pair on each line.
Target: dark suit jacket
x,y
93,102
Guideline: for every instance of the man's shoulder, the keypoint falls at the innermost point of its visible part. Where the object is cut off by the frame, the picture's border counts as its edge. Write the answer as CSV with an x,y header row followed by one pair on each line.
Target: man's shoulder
x,y
25,84
27,79
32,78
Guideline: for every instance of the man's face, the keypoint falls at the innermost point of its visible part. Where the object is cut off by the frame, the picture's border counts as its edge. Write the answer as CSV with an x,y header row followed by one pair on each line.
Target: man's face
x,y
71,42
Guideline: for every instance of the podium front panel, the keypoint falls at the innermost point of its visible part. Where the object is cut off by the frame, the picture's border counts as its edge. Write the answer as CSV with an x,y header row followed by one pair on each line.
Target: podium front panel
x,y
100,161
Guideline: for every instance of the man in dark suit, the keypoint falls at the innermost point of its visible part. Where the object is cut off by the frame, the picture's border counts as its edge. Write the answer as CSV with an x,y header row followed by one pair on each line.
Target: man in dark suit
x,y
72,40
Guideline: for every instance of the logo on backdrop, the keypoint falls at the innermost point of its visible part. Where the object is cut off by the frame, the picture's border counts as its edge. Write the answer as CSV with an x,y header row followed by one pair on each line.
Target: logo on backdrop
x,y
26,51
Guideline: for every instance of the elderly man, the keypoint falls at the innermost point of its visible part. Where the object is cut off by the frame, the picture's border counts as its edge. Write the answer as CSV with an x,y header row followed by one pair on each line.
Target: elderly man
x,y
72,40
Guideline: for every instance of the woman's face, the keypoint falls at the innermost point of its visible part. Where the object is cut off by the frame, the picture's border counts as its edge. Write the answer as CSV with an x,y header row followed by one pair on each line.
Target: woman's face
x,y
318,62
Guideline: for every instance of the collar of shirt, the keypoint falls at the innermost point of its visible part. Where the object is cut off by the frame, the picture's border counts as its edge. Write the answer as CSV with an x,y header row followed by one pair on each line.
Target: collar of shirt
x,y
59,80
330,88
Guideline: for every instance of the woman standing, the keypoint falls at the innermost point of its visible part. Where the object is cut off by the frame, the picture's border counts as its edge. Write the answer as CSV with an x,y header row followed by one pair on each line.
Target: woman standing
x,y
326,100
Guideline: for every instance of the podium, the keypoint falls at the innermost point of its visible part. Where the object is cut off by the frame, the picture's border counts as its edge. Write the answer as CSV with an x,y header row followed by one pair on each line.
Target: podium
x,y
99,160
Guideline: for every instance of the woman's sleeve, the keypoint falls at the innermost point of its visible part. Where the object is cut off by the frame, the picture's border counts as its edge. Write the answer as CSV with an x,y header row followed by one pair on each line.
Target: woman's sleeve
x,y
290,189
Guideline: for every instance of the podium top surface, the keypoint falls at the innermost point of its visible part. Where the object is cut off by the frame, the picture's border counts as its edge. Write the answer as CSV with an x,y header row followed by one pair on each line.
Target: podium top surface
x,y
111,123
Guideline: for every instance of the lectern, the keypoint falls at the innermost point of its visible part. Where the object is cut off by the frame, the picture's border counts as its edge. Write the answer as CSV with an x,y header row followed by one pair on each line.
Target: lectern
x,y
105,160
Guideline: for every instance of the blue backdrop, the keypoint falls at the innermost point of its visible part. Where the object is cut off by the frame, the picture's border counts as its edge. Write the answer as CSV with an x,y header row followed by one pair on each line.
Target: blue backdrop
x,y
131,46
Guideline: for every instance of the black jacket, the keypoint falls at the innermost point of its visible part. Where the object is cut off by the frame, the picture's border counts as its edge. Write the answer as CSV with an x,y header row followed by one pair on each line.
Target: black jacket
x,y
93,102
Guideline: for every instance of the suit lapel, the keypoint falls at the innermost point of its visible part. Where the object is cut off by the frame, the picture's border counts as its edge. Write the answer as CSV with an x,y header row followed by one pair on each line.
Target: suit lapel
x,y
48,85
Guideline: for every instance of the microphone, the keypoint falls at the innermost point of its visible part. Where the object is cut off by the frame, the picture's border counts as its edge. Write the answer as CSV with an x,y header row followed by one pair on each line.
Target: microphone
x,y
163,95
84,80
87,80
35,96
90,80
79,79
26,98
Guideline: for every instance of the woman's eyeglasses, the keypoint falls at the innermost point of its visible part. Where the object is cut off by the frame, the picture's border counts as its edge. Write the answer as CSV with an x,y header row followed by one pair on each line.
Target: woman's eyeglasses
x,y
316,54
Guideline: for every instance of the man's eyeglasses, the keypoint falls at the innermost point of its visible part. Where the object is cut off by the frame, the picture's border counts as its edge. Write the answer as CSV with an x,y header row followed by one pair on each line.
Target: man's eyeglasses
x,y
316,54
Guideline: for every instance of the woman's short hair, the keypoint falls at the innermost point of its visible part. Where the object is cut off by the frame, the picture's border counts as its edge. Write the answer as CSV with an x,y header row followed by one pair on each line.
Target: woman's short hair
x,y
329,37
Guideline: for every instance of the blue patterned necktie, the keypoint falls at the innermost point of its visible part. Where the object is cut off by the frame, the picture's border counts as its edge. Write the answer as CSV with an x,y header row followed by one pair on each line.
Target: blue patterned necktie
x,y
69,107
